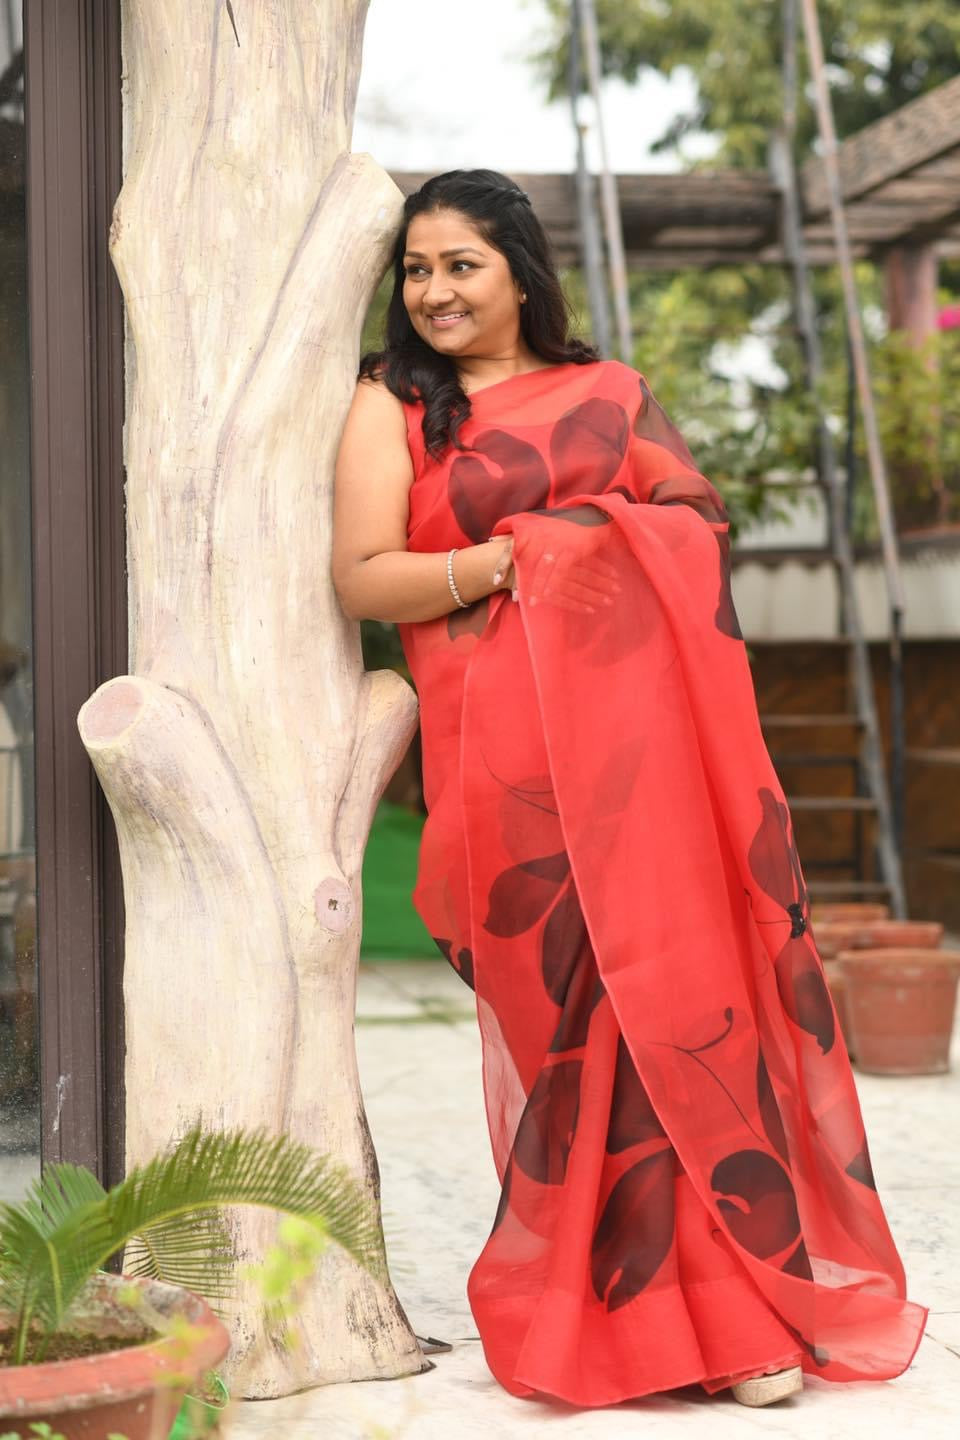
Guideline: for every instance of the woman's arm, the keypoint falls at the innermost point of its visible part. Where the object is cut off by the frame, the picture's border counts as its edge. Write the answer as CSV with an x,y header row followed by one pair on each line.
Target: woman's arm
x,y
374,575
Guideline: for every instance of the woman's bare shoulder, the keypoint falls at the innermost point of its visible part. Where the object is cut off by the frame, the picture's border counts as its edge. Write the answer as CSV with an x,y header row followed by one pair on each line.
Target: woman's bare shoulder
x,y
373,399
374,383
374,378
375,429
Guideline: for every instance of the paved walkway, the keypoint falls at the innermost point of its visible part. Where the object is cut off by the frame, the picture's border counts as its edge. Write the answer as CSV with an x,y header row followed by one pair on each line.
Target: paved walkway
x,y
419,1054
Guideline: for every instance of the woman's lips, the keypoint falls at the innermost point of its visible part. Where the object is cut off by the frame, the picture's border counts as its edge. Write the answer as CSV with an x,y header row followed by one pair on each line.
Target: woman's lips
x,y
443,322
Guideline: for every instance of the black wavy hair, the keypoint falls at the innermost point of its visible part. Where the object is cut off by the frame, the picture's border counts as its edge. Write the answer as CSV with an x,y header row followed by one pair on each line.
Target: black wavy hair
x,y
501,212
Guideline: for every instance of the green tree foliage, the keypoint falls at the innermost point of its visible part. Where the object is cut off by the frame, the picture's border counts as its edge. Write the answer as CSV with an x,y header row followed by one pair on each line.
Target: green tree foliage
x,y
881,54
697,329
695,335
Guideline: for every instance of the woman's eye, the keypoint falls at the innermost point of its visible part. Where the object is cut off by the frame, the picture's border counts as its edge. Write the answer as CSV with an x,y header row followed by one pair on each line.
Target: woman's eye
x,y
415,270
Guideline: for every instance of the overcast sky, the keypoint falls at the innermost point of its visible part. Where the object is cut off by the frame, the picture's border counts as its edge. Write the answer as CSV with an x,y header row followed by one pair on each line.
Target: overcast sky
x,y
446,84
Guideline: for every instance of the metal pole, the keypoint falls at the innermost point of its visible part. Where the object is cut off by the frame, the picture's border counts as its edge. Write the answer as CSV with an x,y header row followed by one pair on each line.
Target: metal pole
x,y
783,165
784,168
608,188
591,245
889,804
850,452
861,363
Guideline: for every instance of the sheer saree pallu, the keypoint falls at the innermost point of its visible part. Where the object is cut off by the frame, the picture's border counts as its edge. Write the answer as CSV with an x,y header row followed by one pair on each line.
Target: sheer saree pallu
x,y
608,860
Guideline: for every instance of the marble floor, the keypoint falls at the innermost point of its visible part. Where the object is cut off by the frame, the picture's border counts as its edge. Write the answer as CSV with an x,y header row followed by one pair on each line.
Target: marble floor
x,y
419,1055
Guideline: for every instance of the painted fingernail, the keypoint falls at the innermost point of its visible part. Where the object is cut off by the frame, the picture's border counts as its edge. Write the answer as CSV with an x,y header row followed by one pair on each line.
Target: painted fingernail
x,y
498,577
514,595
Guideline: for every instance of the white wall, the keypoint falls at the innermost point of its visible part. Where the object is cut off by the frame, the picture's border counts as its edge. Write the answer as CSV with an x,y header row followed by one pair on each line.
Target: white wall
x,y
796,599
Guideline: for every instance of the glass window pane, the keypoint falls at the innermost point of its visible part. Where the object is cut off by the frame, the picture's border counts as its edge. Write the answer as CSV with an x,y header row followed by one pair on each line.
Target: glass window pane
x,y
19,1070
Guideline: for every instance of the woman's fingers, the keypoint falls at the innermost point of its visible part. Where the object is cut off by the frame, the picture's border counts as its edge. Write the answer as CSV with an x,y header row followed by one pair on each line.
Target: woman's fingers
x,y
504,563
561,601
598,572
582,594
602,570
591,586
572,582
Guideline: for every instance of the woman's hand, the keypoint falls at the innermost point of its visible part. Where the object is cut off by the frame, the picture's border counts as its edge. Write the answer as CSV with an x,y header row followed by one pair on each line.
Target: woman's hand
x,y
503,572
571,575
570,581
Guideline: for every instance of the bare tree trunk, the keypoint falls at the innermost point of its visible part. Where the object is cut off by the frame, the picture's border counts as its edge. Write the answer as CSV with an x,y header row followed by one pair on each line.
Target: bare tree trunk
x,y
244,755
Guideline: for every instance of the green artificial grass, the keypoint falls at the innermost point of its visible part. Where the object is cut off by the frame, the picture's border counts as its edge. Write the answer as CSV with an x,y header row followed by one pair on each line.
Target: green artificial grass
x,y
392,929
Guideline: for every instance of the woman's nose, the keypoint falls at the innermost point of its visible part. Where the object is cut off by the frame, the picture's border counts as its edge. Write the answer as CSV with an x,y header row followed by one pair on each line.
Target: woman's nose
x,y
438,290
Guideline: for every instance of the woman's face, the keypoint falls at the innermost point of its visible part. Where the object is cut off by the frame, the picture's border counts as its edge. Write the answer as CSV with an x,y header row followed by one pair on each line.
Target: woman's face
x,y
459,292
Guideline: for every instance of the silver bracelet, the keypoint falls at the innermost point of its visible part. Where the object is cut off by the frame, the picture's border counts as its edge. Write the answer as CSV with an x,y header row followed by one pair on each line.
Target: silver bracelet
x,y
452,583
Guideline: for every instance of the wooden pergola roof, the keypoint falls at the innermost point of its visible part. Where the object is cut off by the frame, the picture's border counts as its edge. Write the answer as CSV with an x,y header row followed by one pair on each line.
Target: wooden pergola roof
x,y
901,183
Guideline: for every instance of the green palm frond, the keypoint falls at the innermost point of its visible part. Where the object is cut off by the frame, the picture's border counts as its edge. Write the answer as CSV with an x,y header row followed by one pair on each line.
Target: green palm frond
x,y
192,1250
37,1269
209,1171
170,1209
59,1193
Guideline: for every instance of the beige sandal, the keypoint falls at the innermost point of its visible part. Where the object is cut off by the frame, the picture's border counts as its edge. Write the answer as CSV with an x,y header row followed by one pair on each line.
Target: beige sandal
x,y
765,1389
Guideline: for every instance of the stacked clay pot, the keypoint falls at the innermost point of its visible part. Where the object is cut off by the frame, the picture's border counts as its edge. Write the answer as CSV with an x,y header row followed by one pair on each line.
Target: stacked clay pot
x,y
848,910
901,1002
893,987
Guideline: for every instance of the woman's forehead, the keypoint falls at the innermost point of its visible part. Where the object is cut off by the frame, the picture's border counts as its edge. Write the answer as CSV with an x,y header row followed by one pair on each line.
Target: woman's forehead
x,y
442,230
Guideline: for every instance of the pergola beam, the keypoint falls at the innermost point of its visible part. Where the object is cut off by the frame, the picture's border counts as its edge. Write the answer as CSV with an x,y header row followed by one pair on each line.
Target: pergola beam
x,y
889,149
900,180
732,217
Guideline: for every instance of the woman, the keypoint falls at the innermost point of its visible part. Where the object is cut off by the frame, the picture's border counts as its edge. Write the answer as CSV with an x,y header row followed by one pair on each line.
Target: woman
x,y
608,857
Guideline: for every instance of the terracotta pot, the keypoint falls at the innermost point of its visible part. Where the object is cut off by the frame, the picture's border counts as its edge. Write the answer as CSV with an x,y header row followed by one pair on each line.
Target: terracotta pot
x,y
838,992
830,937
899,935
900,1005
852,910
135,1392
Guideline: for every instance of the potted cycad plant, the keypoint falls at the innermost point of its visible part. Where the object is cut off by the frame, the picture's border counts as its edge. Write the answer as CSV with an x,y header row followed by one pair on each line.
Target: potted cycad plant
x,y
88,1354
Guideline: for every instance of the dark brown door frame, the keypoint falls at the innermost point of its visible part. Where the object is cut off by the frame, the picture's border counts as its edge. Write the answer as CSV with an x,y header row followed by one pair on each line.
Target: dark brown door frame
x,y
74,170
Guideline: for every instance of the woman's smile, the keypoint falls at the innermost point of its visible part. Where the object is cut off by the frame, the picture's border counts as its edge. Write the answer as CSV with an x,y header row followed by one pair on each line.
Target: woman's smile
x,y
443,322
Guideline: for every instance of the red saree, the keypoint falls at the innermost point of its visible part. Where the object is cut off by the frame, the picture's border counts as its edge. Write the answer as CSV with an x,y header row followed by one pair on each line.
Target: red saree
x,y
608,860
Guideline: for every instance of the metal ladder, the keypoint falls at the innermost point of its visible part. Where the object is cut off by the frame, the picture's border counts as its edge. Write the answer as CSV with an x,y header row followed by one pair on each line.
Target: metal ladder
x,y
871,802
860,720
